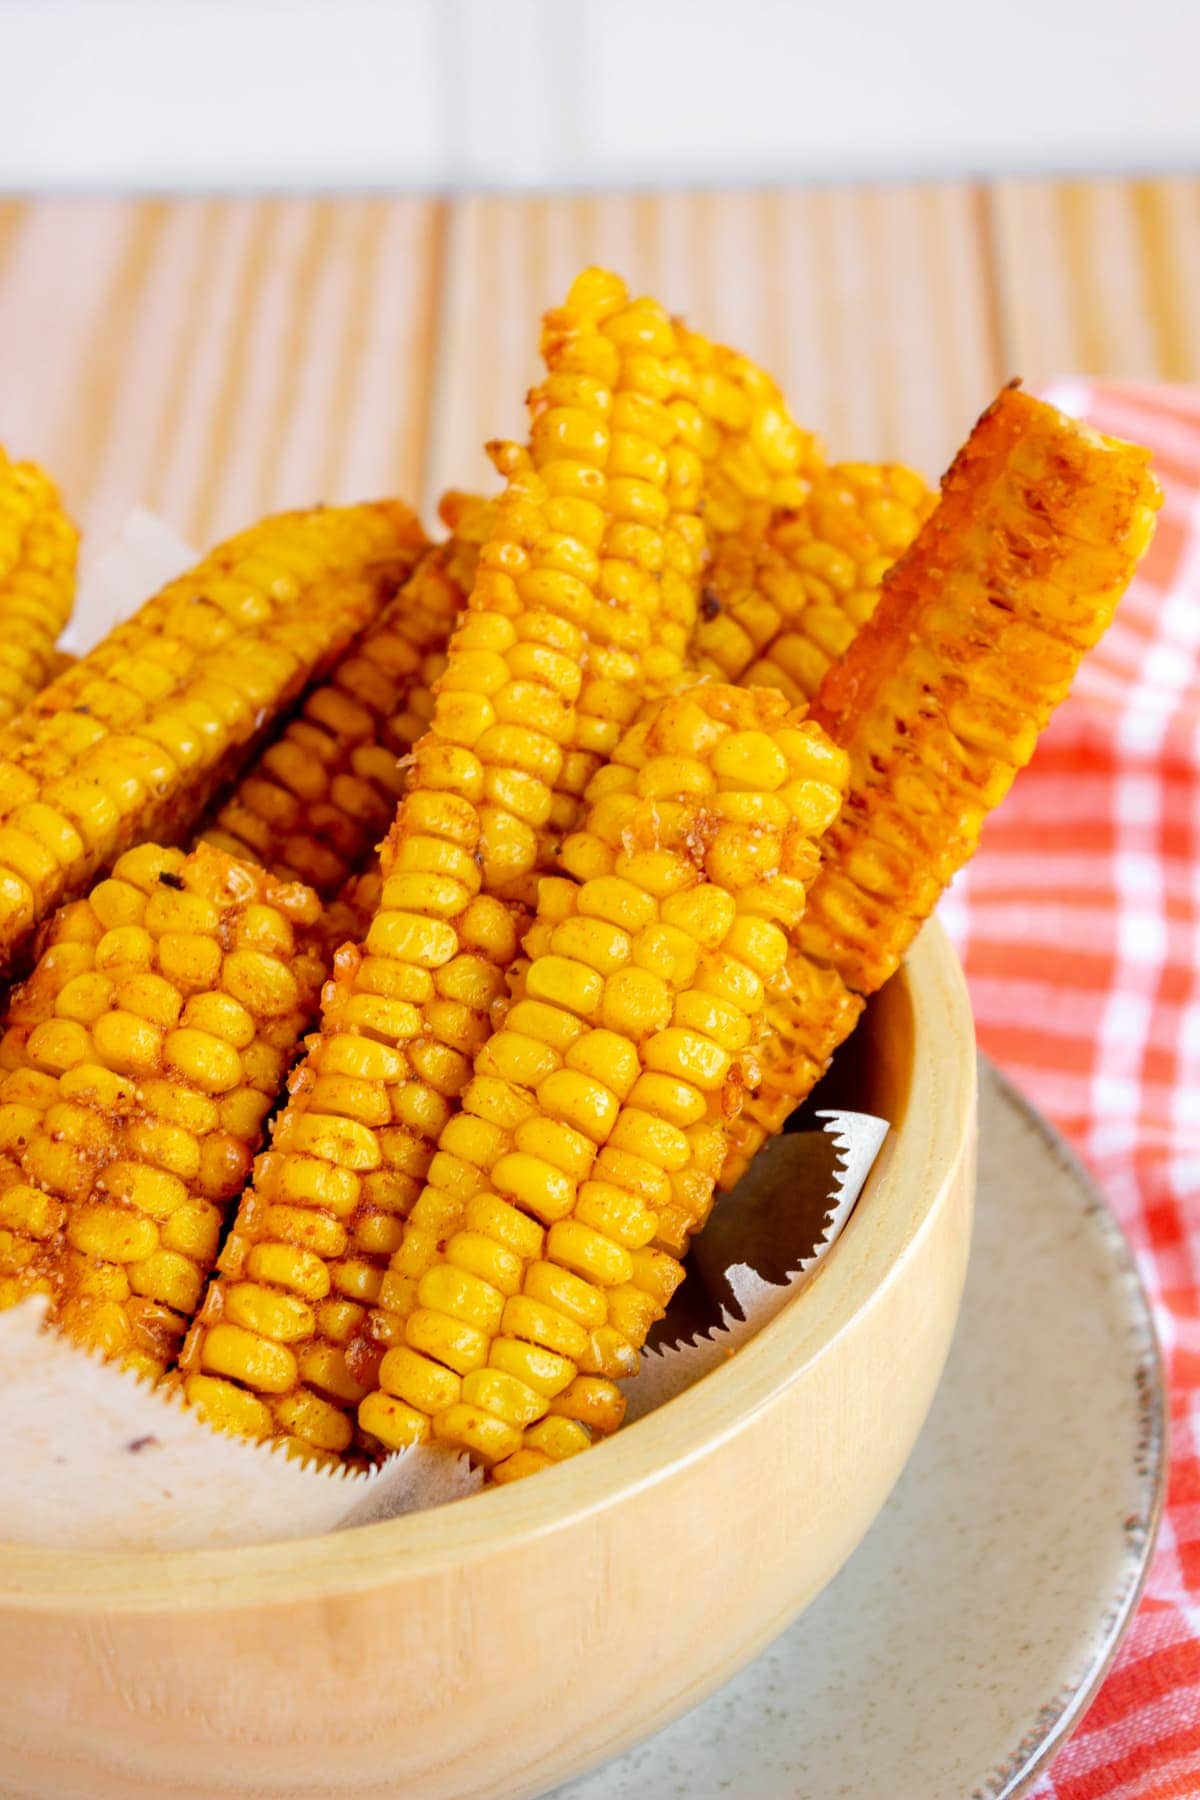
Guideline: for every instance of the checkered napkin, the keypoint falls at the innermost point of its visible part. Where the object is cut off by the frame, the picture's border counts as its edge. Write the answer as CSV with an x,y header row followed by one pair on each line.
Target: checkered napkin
x,y
1079,927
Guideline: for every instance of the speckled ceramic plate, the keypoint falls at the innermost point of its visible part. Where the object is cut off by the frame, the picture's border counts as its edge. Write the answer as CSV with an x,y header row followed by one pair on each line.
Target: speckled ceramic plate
x,y
966,1636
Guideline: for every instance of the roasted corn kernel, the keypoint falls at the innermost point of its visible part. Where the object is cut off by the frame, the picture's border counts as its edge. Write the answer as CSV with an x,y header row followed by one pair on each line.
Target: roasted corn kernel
x,y
134,739
939,701
139,1062
38,550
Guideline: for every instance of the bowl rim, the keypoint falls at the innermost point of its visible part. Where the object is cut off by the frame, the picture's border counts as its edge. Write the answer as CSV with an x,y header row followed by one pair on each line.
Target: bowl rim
x,y
917,1163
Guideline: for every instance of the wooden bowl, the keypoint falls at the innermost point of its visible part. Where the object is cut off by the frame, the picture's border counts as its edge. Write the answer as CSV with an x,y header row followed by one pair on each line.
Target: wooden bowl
x,y
502,1644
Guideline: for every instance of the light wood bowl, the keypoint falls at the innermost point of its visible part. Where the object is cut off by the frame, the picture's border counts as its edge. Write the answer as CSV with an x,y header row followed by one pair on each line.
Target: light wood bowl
x,y
500,1645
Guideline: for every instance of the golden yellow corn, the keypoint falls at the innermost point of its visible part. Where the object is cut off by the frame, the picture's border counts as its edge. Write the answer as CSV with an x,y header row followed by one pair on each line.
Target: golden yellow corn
x,y
939,701
134,739
546,1239
780,605
38,550
315,803
139,1062
757,459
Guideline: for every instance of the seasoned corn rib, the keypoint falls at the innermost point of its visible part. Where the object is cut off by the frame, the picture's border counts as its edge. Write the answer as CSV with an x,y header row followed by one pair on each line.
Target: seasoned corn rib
x,y
939,701
547,1237
317,800
139,1062
779,605
38,551
134,739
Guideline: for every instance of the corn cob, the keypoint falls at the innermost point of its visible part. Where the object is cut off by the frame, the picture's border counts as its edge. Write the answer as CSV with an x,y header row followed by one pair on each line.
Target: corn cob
x,y
939,702
38,549
548,1236
756,458
139,1062
318,799
133,740
778,607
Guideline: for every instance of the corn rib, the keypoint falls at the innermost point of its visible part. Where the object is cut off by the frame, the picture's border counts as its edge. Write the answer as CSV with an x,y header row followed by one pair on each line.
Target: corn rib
x,y
317,800
139,1062
780,605
938,703
133,740
38,551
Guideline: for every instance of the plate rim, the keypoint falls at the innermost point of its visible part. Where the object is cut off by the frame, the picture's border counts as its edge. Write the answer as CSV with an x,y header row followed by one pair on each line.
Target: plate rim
x,y
1017,1774
1014,1775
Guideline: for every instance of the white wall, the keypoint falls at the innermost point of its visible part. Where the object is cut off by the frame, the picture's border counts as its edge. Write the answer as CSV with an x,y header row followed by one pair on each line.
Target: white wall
x,y
331,93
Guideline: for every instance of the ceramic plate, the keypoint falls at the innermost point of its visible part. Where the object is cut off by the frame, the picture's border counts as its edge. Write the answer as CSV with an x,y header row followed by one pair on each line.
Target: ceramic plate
x,y
965,1637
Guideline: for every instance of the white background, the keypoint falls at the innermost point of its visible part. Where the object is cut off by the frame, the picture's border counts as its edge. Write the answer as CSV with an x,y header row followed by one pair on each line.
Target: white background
x,y
335,93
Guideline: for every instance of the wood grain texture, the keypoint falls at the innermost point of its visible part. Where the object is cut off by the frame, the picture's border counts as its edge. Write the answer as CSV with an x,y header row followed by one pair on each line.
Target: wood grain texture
x,y
497,1646
1100,277
870,305
218,359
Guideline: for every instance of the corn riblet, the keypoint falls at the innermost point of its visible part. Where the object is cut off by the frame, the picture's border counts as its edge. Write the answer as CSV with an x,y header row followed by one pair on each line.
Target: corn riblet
x,y
586,590
316,801
780,605
139,1062
133,740
547,1237
38,551
939,701
757,459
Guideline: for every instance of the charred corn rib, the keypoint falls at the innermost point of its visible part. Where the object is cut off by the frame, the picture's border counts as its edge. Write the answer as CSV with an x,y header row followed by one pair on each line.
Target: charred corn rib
x,y
139,1062
779,605
38,550
546,1239
939,701
136,736
317,800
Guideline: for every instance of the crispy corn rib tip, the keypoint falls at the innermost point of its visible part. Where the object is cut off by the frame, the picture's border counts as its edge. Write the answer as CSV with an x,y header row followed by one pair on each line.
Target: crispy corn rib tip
x,y
133,740
939,701
139,1062
38,552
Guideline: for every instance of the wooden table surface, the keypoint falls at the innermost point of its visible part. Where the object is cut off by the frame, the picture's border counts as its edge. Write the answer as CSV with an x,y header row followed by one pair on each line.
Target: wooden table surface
x,y
218,358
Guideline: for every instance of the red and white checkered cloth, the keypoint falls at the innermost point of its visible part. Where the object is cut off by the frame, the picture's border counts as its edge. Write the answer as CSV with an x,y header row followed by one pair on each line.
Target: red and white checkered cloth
x,y
1079,927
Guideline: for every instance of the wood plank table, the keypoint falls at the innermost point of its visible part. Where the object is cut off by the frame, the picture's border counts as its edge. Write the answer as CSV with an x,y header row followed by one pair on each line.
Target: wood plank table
x,y
218,358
